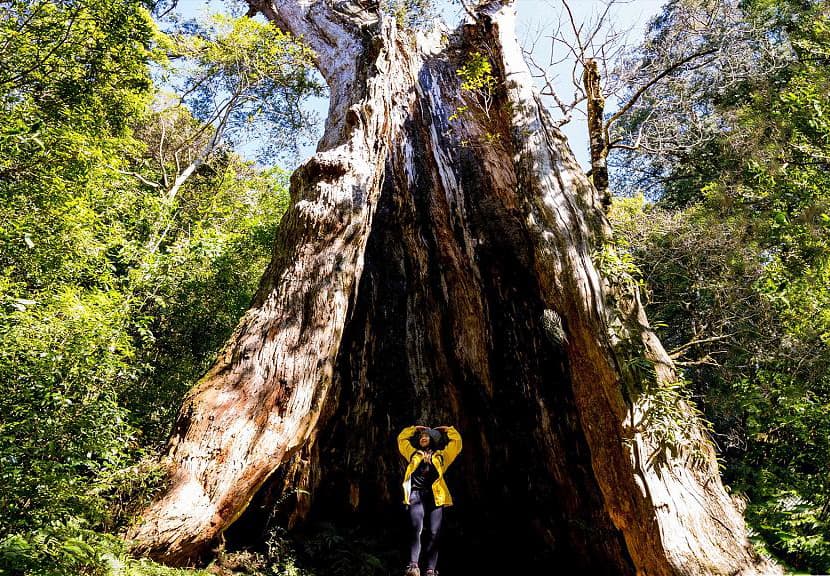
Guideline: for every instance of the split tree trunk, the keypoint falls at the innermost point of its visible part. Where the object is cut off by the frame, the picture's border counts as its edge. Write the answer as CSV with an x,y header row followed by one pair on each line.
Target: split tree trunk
x,y
442,272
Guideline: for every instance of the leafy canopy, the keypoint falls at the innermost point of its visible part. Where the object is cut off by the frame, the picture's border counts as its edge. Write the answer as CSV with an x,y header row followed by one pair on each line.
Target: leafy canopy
x,y
114,293
736,250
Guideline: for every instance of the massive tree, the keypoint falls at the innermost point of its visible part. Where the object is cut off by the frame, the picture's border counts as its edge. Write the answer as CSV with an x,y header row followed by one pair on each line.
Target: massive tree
x,y
444,261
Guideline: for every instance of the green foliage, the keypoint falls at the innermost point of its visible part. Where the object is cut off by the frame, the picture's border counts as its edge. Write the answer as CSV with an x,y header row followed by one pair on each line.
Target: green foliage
x,y
789,497
736,256
477,73
65,323
197,285
616,264
245,79
672,419
59,550
478,88
70,549
63,360
332,550
117,287
83,60
754,357
792,525
669,416
478,83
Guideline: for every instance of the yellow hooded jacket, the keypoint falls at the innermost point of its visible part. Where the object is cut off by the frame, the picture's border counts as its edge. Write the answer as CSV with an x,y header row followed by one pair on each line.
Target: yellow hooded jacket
x,y
441,459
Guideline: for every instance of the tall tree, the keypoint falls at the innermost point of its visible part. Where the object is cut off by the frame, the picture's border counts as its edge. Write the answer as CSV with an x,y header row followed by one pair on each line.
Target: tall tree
x,y
443,260
738,151
112,290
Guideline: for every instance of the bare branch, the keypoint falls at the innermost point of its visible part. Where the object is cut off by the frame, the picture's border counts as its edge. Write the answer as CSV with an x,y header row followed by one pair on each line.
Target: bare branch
x,y
161,153
706,360
470,10
206,150
645,87
678,352
137,176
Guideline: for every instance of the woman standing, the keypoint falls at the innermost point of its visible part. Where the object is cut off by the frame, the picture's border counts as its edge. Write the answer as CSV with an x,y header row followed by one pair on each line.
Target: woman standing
x,y
424,489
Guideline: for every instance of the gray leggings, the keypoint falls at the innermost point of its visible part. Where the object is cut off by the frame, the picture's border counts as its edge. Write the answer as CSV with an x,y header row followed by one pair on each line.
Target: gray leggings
x,y
421,504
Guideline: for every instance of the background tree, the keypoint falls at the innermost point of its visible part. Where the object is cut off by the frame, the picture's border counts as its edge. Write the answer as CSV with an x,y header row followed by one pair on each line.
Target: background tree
x,y
604,68
113,292
243,80
738,162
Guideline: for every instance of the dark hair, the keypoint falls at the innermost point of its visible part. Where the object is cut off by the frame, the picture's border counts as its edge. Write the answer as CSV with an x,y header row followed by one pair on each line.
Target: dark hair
x,y
437,440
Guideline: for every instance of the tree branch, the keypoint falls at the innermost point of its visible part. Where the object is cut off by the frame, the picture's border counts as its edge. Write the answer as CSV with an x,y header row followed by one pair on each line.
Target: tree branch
x,y
206,150
48,55
138,176
642,90
678,352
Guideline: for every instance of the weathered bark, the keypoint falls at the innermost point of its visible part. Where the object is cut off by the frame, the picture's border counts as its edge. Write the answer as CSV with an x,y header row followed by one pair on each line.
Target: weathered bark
x,y
441,272
596,131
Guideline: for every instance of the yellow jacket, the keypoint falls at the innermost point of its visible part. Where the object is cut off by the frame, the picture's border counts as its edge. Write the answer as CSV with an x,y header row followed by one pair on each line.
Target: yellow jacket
x,y
441,459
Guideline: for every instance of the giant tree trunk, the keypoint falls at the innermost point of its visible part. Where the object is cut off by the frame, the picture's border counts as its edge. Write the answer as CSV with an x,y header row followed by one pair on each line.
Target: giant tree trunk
x,y
439,265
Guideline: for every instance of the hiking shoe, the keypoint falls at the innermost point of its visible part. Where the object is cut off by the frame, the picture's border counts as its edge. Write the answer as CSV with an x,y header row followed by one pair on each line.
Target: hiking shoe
x,y
412,570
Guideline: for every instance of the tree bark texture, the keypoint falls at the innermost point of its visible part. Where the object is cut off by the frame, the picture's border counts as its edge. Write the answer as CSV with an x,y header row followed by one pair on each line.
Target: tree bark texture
x,y
437,266
595,108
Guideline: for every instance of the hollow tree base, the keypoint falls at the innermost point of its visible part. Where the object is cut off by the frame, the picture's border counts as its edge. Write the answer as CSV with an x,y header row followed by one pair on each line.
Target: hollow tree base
x,y
437,267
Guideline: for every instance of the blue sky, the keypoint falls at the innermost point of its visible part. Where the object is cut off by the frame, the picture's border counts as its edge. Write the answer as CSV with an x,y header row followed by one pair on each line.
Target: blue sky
x,y
629,17
535,18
